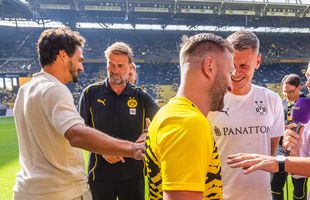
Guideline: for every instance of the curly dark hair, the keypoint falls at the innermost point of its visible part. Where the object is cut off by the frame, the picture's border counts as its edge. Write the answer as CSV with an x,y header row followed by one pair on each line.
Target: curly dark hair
x,y
51,41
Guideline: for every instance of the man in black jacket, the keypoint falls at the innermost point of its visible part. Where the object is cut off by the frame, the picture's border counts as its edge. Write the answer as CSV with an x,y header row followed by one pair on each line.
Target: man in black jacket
x,y
120,109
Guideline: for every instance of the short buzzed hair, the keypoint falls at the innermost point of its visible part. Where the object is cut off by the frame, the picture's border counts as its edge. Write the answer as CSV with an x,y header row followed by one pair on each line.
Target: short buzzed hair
x,y
201,43
241,40
120,48
292,79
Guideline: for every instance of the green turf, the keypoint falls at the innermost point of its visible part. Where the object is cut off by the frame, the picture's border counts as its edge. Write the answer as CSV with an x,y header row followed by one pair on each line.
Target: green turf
x,y
9,158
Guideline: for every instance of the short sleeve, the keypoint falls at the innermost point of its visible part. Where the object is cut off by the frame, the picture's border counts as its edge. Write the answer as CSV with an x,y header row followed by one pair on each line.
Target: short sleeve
x,y
184,156
278,123
59,108
150,106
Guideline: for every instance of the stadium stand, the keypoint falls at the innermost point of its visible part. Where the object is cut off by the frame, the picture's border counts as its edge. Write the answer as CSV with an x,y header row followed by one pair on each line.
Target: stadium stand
x,y
156,51
156,54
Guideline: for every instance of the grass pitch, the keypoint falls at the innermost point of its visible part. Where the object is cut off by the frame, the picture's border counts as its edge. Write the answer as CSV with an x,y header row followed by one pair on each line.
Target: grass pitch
x,y
8,157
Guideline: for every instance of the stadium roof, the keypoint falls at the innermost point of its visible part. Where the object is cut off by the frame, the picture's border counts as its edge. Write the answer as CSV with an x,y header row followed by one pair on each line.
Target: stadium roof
x,y
192,13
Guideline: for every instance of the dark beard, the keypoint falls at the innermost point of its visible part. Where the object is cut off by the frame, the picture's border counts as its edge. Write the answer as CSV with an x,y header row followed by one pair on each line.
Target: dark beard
x,y
75,79
74,74
217,95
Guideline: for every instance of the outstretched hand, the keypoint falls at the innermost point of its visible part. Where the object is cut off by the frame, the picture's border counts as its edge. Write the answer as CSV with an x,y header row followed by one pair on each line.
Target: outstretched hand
x,y
253,162
141,139
138,150
139,145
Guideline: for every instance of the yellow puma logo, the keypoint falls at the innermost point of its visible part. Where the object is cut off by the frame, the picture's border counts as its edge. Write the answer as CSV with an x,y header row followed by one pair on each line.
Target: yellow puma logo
x,y
102,101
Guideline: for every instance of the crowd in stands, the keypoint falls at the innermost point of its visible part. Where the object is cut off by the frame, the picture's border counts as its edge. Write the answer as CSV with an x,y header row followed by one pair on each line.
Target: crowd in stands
x,y
156,53
154,78
18,51
7,98
93,73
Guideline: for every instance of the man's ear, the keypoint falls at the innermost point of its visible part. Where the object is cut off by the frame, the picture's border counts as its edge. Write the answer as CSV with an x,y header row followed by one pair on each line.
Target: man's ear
x,y
300,87
258,60
62,54
208,67
130,67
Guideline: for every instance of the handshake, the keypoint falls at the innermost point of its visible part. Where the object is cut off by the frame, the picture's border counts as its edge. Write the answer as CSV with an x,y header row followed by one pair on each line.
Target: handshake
x,y
136,149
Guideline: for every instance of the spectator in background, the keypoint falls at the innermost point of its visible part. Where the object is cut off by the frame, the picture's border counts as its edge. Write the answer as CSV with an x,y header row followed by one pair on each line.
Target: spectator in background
x,y
251,121
119,109
49,126
181,156
2,109
291,88
132,77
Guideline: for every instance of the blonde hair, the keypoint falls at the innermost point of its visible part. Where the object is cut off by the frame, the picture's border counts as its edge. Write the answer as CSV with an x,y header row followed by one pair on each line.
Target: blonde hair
x,y
120,48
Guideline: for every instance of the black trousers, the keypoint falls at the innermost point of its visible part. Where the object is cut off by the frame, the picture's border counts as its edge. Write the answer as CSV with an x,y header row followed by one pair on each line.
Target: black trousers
x,y
277,184
278,180
132,189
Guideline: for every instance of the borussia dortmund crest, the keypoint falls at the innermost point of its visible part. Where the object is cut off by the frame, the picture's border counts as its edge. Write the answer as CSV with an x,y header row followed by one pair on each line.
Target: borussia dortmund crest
x,y
260,108
132,102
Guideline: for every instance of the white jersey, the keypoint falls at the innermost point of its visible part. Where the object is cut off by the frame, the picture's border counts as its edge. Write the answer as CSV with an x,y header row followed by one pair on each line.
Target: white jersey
x,y
247,124
305,147
51,167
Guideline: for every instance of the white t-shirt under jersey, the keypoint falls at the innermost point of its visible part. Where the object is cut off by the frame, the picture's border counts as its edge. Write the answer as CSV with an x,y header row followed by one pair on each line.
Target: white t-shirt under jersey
x,y
247,124
51,167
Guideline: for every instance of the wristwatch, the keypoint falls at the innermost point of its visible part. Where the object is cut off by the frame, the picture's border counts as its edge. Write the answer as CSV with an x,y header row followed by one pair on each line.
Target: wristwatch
x,y
280,159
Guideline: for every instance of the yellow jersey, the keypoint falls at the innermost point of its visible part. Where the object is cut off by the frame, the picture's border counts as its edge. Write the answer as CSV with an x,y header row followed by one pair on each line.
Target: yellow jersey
x,y
181,153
